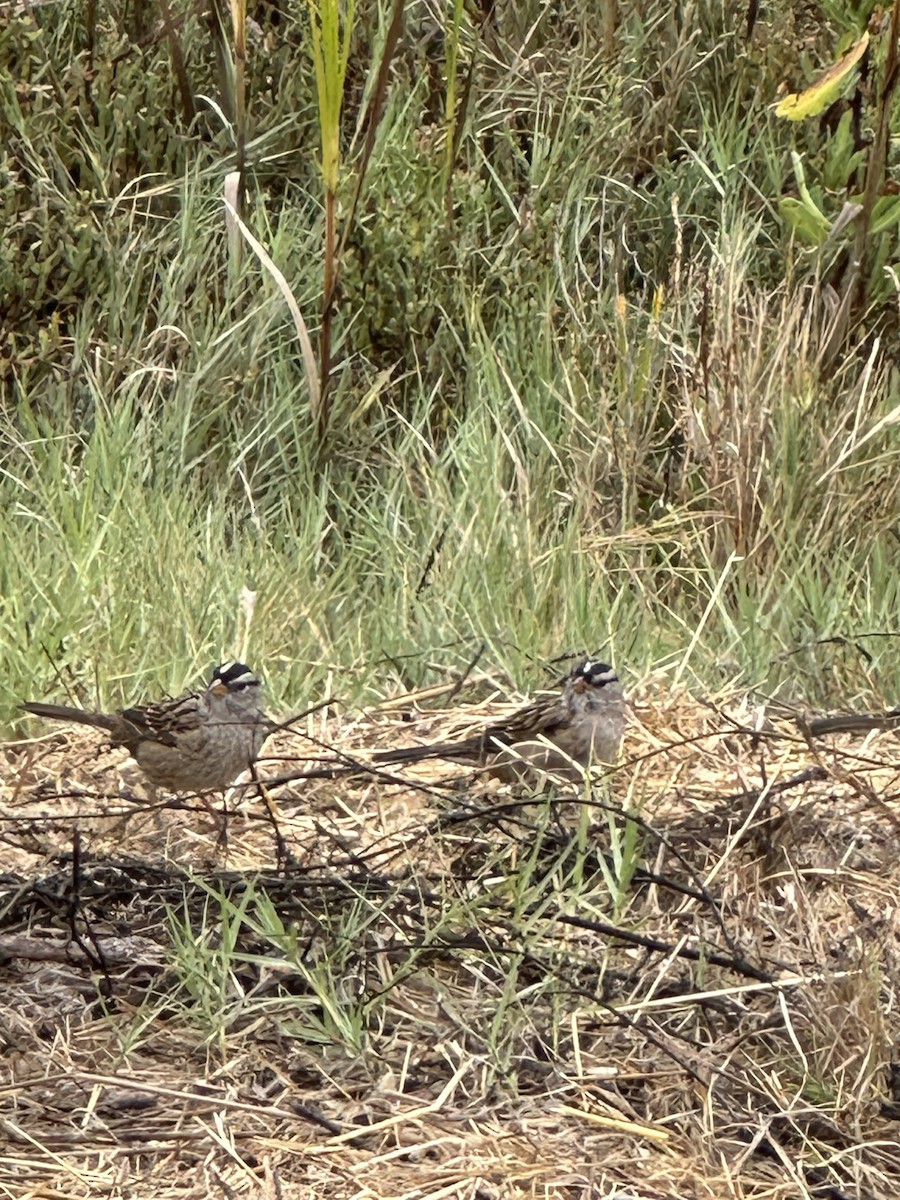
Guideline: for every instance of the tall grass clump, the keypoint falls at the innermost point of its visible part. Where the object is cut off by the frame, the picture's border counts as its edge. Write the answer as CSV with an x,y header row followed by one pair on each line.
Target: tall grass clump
x,y
583,388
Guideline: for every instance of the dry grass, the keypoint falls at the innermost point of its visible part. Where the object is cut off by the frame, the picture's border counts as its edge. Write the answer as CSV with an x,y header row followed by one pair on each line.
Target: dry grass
x,y
447,1011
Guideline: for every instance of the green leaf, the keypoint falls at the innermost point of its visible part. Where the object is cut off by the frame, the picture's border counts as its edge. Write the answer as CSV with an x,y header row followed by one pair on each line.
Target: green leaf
x,y
804,223
885,214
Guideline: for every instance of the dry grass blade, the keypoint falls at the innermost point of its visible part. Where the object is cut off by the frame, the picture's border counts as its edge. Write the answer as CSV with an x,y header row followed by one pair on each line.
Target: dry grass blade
x,y
309,358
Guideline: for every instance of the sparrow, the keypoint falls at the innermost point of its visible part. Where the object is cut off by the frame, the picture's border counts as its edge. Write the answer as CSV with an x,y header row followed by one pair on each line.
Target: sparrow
x,y
583,722
199,742
855,723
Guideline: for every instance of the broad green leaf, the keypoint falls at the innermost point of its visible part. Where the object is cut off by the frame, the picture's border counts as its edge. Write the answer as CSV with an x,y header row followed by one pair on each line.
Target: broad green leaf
x,y
885,214
804,223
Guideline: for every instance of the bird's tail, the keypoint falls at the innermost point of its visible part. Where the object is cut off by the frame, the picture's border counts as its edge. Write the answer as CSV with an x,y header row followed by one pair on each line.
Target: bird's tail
x,y
854,724
471,748
62,712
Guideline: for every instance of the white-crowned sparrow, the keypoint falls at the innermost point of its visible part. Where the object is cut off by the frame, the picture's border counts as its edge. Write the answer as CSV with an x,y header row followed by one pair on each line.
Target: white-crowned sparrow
x,y
582,723
199,742
855,724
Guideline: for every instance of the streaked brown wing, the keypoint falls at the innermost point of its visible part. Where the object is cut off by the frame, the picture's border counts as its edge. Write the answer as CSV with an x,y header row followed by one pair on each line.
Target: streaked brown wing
x,y
541,718
163,722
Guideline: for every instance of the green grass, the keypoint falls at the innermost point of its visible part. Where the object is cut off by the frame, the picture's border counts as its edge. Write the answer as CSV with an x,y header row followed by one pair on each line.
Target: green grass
x,y
127,551
595,396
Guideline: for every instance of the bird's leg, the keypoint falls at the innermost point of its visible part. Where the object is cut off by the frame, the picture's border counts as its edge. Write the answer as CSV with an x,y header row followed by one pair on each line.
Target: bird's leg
x,y
221,818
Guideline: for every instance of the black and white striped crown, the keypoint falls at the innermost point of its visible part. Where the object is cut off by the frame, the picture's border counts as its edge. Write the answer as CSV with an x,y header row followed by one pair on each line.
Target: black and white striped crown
x,y
594,672
235,676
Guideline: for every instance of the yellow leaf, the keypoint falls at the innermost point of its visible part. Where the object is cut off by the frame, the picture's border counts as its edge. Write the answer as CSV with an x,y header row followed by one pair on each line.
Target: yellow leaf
x,y
826,89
